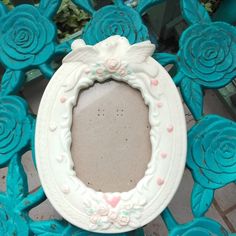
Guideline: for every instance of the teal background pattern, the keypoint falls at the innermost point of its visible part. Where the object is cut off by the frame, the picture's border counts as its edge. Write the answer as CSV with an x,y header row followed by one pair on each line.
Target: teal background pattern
x,y
206,59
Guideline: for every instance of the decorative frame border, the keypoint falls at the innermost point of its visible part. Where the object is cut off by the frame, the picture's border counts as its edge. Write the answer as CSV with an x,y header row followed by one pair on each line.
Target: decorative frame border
x,y
82,206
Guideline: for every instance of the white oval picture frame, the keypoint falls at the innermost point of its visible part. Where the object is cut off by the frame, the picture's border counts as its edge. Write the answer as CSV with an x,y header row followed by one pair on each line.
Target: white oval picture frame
x,y
113,58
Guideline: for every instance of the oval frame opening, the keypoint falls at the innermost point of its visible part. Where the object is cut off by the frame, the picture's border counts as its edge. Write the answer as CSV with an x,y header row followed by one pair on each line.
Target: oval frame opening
x,y
108,139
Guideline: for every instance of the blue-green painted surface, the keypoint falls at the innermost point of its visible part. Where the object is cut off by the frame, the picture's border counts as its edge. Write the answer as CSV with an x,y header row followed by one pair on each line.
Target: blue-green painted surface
x,y
206,59
116,19
199,226
113,20
211,159
228,6
28,40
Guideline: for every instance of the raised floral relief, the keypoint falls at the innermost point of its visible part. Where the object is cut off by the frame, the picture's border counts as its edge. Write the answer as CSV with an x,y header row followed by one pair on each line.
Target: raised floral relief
x,y
114,60
115,20
208,54
26,38
112,67
105,214
212,151
15,127
28,41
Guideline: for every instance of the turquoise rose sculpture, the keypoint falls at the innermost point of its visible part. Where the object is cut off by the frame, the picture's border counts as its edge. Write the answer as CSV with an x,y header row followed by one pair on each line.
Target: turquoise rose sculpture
x,y
206,56
113,20
15,128
117,19
206,59
28,40
211,158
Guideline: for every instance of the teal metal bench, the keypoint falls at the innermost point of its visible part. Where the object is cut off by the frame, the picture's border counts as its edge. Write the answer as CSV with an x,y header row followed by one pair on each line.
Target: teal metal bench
x,y
206,59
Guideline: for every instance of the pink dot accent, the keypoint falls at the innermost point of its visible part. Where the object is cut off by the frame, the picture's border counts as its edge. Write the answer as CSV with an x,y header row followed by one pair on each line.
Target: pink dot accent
x,y
160,181
170,128
62,99
164,155
159,104
154,82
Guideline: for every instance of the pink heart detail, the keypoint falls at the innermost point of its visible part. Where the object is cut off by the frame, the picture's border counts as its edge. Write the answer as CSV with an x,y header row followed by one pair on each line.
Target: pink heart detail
x,y
112,202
